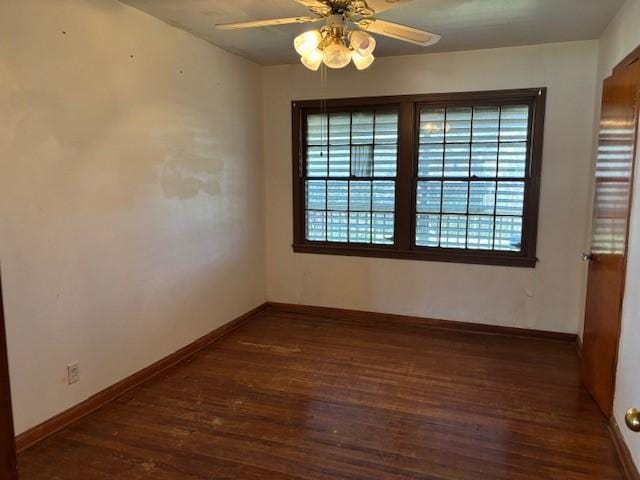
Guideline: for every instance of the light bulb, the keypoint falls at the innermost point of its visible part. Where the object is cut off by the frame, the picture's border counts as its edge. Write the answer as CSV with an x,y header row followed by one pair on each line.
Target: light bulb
x,y
362,42
307,42
312,59
362,61
336,55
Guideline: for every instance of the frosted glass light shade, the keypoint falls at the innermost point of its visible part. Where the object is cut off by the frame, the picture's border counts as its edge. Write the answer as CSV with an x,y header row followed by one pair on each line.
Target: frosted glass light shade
x,y
362,42
312,59
307,42
336,55
362,61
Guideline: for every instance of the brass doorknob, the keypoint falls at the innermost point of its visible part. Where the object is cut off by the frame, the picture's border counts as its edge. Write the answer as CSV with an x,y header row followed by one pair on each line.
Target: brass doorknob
x,y
633,419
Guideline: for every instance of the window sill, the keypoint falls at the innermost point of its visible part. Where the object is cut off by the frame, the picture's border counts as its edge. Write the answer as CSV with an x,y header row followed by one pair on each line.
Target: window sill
x,y
453,256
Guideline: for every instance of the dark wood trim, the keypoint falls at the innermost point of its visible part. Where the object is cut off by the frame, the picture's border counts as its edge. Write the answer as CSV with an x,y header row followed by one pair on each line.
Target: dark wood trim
x,y
404,245
100,399
532,194
472,97
418,322
479,258
579,346
297,167
632,57
629,468
404,178
8,469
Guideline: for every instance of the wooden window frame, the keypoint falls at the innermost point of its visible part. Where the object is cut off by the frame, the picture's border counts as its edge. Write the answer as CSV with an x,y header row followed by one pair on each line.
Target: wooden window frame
x,y
405,207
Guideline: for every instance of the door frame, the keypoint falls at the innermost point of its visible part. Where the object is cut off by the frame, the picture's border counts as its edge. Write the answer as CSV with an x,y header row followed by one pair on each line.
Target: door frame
x,y
631,58
8,462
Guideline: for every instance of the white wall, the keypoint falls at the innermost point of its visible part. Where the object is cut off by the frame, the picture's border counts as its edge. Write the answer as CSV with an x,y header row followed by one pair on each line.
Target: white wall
x,y
131,213
549,297
620,38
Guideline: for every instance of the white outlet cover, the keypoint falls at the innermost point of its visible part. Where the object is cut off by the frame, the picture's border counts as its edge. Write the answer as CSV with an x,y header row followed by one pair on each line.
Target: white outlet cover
x,y
73,373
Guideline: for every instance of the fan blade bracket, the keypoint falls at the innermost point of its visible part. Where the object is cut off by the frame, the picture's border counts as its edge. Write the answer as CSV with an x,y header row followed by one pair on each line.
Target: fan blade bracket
x,y
360,8
319,7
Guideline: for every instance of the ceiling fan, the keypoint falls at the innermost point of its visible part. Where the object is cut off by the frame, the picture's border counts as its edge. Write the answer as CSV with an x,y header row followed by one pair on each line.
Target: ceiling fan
x,y
345,35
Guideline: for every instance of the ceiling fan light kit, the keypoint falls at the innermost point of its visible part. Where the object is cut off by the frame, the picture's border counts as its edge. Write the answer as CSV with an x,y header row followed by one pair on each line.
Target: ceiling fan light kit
x,y
335,46
345,37
362,62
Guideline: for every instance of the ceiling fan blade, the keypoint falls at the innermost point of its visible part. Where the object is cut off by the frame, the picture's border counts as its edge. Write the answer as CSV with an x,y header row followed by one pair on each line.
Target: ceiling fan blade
x,y
383,5
399,32
267,23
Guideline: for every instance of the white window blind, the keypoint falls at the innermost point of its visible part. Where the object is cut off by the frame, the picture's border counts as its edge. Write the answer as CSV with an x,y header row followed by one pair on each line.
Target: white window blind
x,y
350,176
472,171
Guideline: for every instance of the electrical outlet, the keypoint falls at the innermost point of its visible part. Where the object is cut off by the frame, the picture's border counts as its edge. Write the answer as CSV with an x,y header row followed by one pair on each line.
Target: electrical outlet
x,y
73,372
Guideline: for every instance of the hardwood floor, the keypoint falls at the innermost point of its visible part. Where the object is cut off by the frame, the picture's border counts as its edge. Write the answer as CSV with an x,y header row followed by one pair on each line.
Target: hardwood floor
x,y
292,396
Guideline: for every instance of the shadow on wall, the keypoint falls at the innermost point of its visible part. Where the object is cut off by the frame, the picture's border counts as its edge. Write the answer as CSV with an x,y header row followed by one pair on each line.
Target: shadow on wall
x,y
189,167
62,144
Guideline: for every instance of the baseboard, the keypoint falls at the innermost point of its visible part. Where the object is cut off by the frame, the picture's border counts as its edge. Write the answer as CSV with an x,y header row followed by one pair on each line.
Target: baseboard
x,y
622,451
579,346
100,399
361,316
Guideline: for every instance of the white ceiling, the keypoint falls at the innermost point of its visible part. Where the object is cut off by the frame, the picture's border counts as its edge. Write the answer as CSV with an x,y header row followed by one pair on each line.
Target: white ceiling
x,y
464,24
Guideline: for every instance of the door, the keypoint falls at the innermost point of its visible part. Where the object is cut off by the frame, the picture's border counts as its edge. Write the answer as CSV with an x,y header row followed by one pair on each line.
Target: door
x,y
608,256
7,440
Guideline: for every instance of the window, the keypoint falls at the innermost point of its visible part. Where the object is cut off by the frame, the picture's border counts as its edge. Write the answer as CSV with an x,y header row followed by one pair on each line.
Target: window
x,y
351,164
444,177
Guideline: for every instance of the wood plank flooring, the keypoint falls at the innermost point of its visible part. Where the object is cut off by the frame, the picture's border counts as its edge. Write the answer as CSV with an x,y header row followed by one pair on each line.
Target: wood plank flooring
x,y
291,396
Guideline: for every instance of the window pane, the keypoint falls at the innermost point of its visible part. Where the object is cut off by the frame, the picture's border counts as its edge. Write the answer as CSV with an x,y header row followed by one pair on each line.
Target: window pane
x,y
428,230
339,161
514,123
484,159
360,227
453,231
456,160
508,233
510,199
480,232
476,142
317,161
337,195
337,226
362,128
362,160
385,158
360,196
486,124
432,125
382,228
317,129
454,197
339,128
316,225
386,127
384,196
429,197
482,197
316,195
430,160
458,125
512,160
